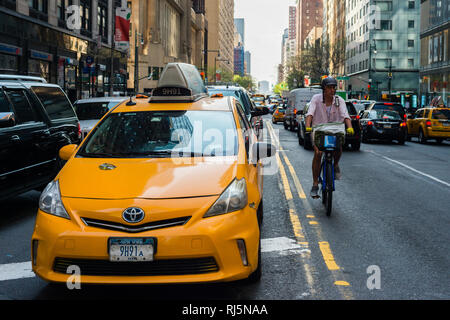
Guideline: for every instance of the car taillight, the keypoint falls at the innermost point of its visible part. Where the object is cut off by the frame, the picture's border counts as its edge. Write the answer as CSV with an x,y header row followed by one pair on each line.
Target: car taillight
x,y
428,123
295,111
405,116
388,104
370,123
403,124
79,131
276,112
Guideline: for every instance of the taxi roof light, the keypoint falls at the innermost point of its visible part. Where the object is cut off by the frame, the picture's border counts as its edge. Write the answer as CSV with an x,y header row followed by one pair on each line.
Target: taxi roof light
x,y
179,82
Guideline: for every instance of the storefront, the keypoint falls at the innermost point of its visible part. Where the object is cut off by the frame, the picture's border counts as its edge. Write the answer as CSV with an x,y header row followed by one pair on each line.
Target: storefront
x,y
81,67
9,58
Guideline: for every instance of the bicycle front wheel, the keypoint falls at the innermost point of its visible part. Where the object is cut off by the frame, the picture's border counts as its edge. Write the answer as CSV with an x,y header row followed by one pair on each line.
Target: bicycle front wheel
x,y
328,200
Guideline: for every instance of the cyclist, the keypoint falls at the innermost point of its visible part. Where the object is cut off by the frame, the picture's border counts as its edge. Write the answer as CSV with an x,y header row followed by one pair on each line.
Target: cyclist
x,y
324,108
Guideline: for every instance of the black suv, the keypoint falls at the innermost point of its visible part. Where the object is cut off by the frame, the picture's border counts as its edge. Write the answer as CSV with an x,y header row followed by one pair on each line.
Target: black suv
x,y
36,120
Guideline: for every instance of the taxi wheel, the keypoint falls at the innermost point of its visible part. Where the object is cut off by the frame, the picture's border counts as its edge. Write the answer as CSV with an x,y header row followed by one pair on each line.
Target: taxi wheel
x,y
422,138
260,215
255,276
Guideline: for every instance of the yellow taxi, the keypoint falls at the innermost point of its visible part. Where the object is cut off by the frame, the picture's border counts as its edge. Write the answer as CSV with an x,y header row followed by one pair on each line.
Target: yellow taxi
x,y
429,123
162,190
278,115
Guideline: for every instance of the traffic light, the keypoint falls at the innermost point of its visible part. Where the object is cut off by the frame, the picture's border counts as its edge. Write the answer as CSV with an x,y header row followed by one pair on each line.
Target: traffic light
x,y
368,87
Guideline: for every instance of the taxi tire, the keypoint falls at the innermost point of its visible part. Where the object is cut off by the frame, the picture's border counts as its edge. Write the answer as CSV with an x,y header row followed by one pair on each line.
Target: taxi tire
x,y
260,214
255,276
422,138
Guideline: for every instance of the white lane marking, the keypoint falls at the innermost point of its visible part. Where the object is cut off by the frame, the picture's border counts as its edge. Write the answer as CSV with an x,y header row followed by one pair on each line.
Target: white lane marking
x,y
12,271
281,245
412,169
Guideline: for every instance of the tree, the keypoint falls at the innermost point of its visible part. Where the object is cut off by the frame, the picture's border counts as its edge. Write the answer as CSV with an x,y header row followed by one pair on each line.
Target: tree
x,y
279,88
246,82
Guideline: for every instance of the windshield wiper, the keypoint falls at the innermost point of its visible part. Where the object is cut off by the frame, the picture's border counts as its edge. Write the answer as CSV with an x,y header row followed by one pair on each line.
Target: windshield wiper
x,y
99,155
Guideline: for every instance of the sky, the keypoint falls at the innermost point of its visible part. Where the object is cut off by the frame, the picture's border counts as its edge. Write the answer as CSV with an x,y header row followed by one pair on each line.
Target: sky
x,y
265,21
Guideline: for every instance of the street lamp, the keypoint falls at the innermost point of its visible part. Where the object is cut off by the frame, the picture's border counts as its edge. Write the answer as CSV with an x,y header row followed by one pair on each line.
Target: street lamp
x,y
206,62
136,59
372,48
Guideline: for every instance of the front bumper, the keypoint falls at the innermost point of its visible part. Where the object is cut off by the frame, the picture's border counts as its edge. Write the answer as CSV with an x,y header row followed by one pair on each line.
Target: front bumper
x,y
202,250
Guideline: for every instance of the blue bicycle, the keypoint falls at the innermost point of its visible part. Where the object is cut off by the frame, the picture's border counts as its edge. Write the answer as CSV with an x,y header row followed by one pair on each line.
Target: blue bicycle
x,y
326,178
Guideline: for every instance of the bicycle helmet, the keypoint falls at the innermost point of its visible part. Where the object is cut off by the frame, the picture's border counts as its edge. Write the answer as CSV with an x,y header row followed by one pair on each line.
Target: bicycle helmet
x,y
328,81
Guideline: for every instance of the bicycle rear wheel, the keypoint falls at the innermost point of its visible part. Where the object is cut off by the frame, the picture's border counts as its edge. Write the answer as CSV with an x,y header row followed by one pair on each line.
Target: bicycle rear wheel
x,y
329,190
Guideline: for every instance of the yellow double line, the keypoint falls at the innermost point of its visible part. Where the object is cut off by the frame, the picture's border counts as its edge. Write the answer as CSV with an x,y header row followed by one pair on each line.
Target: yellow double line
x,y
324,246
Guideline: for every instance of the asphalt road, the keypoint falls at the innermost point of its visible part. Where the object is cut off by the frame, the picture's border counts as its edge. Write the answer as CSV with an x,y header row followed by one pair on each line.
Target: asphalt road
x,y
387,238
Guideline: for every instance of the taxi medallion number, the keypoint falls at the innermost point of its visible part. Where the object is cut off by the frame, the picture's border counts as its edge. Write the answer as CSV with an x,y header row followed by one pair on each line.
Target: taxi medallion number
x,y
131,249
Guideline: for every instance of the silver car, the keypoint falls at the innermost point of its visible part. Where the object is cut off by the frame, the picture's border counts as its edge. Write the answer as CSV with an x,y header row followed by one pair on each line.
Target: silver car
x,y
90,111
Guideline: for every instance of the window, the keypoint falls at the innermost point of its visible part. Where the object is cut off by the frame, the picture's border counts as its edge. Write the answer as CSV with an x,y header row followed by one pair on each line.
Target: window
x,y
102,19
23,110
384,44
386,24
4,103
410,43
86,26
39,9
410,24
384,5
411,4
410,63
55,102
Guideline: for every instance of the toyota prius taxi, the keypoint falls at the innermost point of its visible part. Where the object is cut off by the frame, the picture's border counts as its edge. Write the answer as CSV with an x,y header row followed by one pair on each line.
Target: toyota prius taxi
x,y
162,190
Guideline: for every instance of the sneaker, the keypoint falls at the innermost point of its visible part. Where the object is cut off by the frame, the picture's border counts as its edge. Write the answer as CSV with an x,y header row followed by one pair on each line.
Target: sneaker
x,y
315,192
337,173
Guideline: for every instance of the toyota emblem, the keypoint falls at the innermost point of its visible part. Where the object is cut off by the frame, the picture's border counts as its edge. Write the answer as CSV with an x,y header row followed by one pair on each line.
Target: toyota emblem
x,y
133,215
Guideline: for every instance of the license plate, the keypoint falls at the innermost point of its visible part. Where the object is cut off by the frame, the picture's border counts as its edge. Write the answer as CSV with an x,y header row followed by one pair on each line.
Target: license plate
x,y
387,126
131,249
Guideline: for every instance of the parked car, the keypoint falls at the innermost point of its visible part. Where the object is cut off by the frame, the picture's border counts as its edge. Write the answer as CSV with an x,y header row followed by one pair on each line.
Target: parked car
x,y
297,98
139,202
245,102
278,115
355,140
382,124
90,111
430,123
36,120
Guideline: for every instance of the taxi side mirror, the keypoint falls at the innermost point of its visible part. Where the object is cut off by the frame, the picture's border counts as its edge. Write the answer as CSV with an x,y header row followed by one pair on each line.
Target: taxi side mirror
x,y
260,112
262,150
67,151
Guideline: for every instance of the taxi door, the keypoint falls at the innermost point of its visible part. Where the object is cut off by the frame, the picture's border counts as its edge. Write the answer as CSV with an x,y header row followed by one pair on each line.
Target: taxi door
x,y
253,170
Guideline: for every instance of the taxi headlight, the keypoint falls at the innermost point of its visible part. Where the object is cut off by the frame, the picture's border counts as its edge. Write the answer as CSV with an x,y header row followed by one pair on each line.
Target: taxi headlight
x,y
50,201
232,199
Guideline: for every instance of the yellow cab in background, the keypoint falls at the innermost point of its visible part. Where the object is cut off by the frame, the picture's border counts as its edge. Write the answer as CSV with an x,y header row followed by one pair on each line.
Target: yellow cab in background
x,y
278,115
162,190
430,123
259,100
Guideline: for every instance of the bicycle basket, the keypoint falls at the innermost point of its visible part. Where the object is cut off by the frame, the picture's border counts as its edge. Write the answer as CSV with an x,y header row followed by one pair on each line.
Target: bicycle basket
x,y
329,135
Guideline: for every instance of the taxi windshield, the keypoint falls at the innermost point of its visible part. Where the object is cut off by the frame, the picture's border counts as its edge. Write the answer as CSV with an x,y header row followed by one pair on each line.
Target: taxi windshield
x,y
163,134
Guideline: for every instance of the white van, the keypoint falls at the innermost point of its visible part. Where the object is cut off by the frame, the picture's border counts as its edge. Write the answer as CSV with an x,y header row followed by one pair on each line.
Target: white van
x,y
297,100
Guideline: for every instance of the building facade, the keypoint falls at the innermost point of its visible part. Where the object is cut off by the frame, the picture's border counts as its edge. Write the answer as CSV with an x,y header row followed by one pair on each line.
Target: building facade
x,y
36,39
309,15
220,16
164,31
334,24
382,52
435,53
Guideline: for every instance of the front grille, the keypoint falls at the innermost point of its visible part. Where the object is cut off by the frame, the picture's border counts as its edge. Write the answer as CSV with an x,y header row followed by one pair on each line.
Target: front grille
x,y
138,228
153,268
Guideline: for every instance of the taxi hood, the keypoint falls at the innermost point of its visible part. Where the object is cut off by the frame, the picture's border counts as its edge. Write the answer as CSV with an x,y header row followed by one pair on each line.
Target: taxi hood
x,y
149,179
